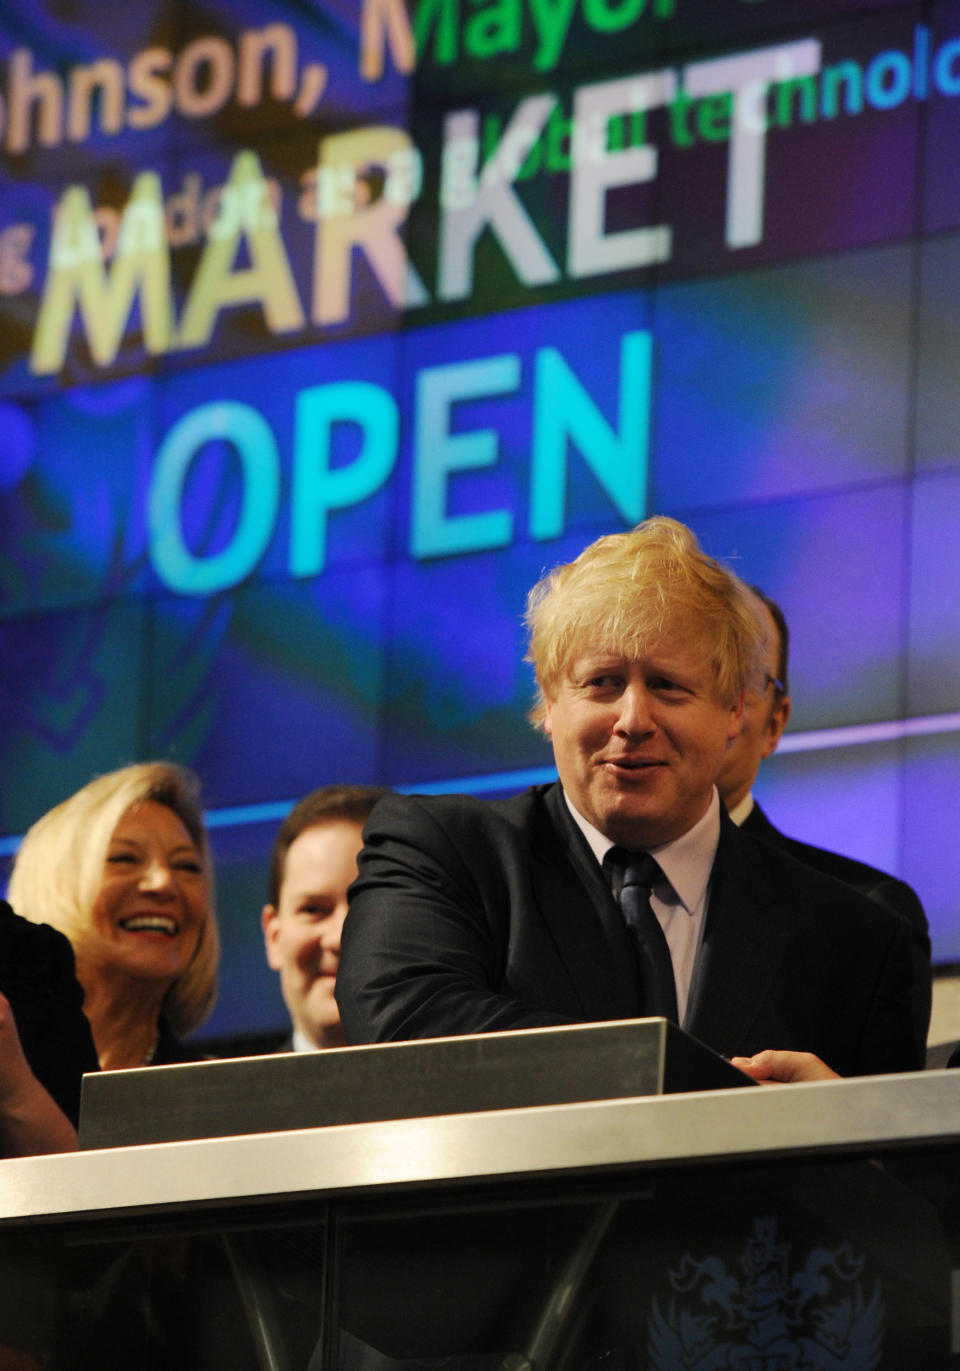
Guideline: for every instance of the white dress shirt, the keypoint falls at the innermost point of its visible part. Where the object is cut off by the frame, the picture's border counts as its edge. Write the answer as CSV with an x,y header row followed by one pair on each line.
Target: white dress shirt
x,y
743,810
301,1043
679,900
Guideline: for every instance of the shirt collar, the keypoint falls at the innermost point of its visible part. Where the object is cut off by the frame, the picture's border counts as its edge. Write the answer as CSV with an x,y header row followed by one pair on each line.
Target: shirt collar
x,y
743,810
686,862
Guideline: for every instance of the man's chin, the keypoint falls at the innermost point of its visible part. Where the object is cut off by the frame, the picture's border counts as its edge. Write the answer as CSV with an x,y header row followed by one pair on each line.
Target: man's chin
x,y
634,826
323,1015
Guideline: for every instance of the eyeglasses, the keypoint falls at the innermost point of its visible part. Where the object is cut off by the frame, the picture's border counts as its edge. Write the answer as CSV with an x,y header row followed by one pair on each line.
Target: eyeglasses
x,y
777,684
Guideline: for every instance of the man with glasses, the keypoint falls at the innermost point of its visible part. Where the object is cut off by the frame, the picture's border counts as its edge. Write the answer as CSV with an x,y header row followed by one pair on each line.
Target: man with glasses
x,y
765,716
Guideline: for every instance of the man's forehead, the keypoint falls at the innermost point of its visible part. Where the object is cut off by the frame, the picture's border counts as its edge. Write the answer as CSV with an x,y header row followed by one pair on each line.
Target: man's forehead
x,y
323,843
771,633
678,641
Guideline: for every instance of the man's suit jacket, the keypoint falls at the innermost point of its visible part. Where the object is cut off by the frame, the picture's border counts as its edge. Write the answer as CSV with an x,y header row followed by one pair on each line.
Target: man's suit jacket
x,y
470,916
37,976
877,885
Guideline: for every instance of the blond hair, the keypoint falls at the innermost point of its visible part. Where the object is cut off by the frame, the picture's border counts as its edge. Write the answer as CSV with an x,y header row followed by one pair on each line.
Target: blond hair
x,y
626,592
59,867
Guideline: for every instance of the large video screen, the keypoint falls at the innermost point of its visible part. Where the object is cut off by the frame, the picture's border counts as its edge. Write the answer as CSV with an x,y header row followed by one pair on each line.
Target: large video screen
x,y
326,328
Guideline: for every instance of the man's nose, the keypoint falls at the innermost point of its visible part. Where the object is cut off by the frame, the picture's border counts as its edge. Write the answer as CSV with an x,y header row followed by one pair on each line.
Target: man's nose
x,y
634,712
332,928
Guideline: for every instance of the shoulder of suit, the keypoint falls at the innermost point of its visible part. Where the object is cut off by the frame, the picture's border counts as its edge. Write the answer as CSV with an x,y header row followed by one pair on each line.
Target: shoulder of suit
x,y
805,887
876,884
456,810
871,881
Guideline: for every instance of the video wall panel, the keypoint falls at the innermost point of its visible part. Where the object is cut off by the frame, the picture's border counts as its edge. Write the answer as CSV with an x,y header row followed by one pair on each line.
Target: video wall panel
x,y
325,330
837,564
811,392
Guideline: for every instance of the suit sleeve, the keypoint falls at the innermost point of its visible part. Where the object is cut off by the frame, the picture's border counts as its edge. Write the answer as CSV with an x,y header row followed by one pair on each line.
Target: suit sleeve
x,y
899,896
425,942
889,1041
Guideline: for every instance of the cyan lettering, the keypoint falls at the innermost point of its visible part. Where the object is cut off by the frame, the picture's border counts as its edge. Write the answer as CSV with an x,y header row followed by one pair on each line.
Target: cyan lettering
x,y
252,440
889,79
564,413
438,453
319,487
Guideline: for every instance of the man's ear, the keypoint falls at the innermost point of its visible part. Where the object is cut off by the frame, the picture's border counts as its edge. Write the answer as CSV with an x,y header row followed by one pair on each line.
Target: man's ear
x,y
268,922
779,718
736,718
547,720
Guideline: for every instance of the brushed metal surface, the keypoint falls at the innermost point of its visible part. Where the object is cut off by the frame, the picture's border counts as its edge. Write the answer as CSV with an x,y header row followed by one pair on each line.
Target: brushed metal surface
x,y
485,1071
863,1116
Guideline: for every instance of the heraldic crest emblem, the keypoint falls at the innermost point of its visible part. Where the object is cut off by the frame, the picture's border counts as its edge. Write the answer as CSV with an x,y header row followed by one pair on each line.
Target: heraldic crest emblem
x,y
769,1318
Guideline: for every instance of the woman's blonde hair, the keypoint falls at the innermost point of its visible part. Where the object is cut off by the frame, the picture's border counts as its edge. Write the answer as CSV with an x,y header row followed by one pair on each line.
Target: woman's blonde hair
x,y
627,591
59,867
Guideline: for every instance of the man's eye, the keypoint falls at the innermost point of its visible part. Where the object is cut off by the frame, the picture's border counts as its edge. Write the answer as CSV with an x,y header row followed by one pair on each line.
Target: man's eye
x,y
603,682
663,684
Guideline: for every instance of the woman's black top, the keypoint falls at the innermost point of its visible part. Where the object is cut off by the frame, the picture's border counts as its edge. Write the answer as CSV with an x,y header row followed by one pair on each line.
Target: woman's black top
x,y
38,977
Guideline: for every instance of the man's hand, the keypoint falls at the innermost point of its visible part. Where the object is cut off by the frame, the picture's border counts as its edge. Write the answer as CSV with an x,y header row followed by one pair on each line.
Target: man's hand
x,y
772,1067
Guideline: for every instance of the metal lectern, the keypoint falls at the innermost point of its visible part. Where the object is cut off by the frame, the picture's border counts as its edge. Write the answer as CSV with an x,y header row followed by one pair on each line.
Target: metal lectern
x,y
515,1202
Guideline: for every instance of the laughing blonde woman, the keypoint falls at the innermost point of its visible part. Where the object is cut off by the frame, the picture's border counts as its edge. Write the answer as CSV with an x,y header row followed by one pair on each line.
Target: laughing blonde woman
x,y
123,868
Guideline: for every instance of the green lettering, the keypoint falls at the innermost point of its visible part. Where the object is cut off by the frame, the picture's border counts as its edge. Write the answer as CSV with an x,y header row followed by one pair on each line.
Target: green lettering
x,y
786,93
532,162
713,115
627,131
612,16
558,135
551,19
490,138
496,30
443,16
680,131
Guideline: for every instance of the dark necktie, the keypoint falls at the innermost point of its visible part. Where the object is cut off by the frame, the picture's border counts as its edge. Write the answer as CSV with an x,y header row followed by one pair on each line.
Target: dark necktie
x,y
635,875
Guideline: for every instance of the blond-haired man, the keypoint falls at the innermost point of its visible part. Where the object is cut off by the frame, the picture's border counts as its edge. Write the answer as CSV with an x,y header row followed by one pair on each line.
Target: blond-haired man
x,y
471,916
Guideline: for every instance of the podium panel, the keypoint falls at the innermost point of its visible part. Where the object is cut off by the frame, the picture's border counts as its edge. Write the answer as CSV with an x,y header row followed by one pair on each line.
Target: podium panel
x,y
398,1081
784,1228
834,1263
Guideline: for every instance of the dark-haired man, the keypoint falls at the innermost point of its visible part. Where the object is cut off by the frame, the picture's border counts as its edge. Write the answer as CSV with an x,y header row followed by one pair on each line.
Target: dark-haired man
x,y
314,860
765,716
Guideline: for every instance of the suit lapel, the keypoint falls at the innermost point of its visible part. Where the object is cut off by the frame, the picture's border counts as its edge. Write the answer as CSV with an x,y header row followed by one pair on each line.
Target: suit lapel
x,y
759,826
744,943
580,914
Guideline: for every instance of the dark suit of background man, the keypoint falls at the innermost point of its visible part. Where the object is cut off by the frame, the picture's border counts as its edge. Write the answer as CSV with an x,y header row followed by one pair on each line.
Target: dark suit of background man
x,y
765,716
473,916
